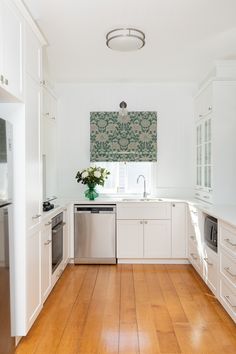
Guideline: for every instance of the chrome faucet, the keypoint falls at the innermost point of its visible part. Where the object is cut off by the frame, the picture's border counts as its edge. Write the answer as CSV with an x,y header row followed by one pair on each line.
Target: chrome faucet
x,y
144,185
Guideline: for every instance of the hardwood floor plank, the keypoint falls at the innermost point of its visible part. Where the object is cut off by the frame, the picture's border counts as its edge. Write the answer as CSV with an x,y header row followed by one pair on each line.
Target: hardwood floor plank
x,y
148,341
72,334
128,336
146,309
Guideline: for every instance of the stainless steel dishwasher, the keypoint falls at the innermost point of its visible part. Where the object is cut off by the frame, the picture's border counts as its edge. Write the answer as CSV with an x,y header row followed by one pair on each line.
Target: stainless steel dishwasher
x,y
95,234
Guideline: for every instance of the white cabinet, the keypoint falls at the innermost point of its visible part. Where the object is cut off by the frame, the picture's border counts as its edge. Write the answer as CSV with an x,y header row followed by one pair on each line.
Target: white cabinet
x,y
227,268
46,259
49,145
143,230
157,239
210,268
33,59
66,233
33,163
215,113
33,275
178,231
11,49
129,239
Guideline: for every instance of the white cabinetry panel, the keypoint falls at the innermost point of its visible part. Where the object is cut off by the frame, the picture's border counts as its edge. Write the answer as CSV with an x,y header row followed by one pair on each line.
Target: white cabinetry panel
x,y
178,232
157,239
129,239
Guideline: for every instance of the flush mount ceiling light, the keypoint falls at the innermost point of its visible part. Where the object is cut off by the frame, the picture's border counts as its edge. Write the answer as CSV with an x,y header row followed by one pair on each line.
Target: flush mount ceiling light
x,y
125,39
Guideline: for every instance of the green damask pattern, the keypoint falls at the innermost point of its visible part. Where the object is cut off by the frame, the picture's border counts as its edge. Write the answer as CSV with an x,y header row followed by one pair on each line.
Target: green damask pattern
x,y
131,138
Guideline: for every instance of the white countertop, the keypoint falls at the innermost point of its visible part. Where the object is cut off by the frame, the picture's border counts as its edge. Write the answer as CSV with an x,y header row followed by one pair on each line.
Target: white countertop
x,y
225,213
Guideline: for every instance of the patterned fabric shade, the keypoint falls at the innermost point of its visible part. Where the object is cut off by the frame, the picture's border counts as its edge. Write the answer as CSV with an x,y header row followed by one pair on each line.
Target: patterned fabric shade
x,y
129,138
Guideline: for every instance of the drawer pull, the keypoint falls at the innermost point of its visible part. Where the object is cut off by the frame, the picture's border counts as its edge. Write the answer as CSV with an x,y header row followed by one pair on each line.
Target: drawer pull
x,y
227,269
145,222
193,256
206,197
47,242
48,223
209,263
227,298
229,242
197,194
36,216
141,222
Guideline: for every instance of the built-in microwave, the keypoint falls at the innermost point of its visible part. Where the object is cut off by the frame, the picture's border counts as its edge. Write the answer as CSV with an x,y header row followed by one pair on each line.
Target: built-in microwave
x,y
210,232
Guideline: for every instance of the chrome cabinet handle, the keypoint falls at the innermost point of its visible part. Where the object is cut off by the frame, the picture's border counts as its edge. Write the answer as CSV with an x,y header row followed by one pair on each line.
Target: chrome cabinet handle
x,y
227,269
206,197
48,223
227,298
209,263
36,216
173,205
47,242
145,222
2,79
197,194
229,242
193,256
6,81
206,114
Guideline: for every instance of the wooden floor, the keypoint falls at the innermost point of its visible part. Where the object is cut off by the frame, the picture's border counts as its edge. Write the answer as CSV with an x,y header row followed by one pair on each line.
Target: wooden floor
x,y
131,309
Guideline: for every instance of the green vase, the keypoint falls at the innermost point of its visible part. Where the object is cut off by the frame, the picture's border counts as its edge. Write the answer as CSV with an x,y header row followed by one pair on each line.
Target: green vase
x,y
91,193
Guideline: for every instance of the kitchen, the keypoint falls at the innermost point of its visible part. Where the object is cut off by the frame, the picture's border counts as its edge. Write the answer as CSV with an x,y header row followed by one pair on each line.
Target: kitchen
x,y
50,89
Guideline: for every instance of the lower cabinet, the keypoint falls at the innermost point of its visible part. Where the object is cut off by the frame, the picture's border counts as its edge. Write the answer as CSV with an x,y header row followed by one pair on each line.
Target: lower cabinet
x,y
46,260
210,268
33,276
143,239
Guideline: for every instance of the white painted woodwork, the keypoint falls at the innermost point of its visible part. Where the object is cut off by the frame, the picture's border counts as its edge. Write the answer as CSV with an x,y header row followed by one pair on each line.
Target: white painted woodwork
x,y
33,162
129,239
11,36
46,259
49,144
144,210
33,269
227,238
228,267
66,233
178,231
33,56
227,297
210,268
157,239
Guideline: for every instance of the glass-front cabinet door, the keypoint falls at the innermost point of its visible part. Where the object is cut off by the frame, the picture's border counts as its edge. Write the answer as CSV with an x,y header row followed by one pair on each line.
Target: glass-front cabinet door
x,y
199,148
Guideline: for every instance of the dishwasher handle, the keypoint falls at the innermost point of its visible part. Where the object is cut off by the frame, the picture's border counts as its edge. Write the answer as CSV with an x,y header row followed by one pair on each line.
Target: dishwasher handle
x,y
95,209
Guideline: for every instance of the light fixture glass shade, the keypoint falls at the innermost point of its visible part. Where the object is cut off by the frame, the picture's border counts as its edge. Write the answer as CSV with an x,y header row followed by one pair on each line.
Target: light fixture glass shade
x,y
125,39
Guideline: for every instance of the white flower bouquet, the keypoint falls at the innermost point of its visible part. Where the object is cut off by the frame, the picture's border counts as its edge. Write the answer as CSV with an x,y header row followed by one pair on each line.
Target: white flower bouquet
x,y
92,176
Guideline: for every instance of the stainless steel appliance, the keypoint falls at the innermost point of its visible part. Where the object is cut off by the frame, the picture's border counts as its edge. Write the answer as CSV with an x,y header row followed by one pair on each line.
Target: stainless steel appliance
x,y
210,232
57,240
95,234
7,342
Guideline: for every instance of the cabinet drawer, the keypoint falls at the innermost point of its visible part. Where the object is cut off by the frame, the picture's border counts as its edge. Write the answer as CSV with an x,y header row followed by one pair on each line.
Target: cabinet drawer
x,y
228,267
145,210
228,297
210,268
194,257
228,237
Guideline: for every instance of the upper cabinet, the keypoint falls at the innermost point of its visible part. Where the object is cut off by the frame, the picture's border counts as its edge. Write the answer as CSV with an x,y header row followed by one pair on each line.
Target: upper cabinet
x,y
11,68
33,53
215,143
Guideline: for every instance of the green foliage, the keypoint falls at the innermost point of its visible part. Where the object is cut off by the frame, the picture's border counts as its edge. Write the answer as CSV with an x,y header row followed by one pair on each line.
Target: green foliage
x,y
92,176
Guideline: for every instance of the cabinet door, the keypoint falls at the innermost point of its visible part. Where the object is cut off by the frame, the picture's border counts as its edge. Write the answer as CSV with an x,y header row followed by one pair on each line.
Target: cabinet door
x,y
33,267
12,49
130,239
210,268
33,163
46,260
157,238
33,56
66,231
179,230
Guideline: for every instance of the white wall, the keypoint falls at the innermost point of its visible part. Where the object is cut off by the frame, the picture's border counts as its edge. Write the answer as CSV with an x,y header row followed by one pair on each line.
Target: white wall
x,y
174,106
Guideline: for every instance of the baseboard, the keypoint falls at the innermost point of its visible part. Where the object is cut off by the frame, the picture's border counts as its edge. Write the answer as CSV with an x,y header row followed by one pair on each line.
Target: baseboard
x,y
152,261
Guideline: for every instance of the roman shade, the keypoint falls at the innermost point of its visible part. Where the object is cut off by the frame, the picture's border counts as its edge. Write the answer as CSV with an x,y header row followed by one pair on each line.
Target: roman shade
x,y
129,138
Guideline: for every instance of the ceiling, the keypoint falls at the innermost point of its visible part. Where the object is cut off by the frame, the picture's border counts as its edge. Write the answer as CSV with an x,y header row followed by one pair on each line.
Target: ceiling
x,y
183,38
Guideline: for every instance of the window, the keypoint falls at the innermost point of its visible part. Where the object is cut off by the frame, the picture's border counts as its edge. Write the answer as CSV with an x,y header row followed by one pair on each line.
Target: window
x,y
123,177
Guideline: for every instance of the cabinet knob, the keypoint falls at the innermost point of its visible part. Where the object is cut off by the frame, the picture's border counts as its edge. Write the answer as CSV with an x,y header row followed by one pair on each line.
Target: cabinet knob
x,y
141,222
2,79
48,223
47,242
173,205
6,81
